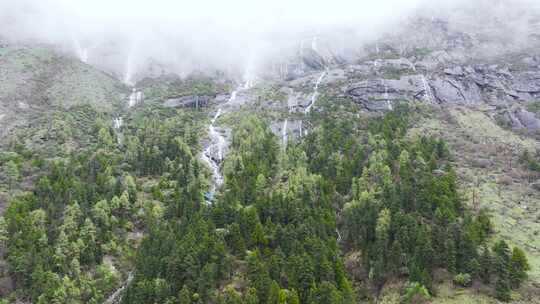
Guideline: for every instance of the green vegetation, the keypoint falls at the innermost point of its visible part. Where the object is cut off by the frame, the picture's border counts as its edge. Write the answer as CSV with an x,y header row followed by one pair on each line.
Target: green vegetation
x,y
534,107
72,238
394,73
422,52
531,162
278,230
159,89
40,77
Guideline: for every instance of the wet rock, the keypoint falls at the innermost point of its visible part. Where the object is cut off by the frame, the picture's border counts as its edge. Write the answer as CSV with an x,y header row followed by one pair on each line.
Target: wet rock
x,y
482,163
188,102
373,94
6,286
528,120
313,60
400,64
452,90
455,71
294,129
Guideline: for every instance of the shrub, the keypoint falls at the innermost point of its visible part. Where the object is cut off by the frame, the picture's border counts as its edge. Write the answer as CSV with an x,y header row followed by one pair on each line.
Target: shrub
x,y
416,293
463,279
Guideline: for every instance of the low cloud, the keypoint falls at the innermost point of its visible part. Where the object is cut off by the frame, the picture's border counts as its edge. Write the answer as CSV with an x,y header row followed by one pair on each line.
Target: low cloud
x,y
186,35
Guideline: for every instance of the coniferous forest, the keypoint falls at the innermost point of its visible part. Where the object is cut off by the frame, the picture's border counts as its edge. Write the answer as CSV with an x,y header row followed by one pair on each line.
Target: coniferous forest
x,y
283,227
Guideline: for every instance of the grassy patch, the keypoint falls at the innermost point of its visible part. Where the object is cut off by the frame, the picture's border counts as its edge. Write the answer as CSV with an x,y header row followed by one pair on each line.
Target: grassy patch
x,y
534,107
502,187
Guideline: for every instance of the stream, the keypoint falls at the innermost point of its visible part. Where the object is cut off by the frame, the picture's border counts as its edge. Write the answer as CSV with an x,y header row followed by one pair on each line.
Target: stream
x,y
116,297
315,92
214,154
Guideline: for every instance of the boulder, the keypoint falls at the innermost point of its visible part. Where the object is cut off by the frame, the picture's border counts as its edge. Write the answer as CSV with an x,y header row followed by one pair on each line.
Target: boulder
x,y
482,163
528,120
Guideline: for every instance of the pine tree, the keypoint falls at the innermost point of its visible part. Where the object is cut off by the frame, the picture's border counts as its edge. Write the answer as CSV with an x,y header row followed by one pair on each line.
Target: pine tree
x,y
486,264
251,296
518,267
12,172
184,297
502,268
293,297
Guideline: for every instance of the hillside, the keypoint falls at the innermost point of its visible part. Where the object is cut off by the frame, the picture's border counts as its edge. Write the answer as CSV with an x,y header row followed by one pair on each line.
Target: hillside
x,y
408,172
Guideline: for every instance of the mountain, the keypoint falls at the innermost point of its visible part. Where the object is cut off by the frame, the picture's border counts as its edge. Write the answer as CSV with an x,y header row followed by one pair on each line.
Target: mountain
x,y
407,170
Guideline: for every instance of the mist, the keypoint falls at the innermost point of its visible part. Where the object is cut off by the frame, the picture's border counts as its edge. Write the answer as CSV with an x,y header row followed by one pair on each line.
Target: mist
x,y
236,36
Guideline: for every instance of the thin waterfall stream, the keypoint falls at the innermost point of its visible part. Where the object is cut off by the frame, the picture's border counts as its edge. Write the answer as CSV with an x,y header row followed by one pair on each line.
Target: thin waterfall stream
x,y
214,154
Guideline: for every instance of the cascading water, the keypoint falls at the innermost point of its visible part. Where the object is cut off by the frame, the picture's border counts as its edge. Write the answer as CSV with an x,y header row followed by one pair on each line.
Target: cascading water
x,y
82,53
284,134
218,142
118,122
314,43
136,97
388,103
315,92
427,89
116,297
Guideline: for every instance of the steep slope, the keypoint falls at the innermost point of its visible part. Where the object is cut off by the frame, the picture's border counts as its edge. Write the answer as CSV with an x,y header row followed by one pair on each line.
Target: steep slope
x,y
35,80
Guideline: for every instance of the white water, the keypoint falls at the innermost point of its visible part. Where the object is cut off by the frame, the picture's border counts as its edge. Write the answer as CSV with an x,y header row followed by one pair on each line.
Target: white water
x,y
135,97
218,142
314,43
427,89
82,53
116,297
284,133
118,122
388,103
130,67
315,92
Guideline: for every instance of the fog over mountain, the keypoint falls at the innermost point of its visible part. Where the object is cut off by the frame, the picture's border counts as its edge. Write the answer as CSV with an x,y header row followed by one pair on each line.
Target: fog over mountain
x,y
127,37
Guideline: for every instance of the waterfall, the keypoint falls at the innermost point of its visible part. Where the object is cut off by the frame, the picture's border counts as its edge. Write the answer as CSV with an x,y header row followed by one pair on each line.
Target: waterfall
x,y
218,144
136,97
116,297
216,141
302,65
427,89
388,103
284,134
315,92
314,43
129,68
118,122
82,53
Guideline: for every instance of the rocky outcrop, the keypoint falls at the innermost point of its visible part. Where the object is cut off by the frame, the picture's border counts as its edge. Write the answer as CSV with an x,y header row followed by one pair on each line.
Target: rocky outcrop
x,y
527,120
373,94
455,84
188,101
313,60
